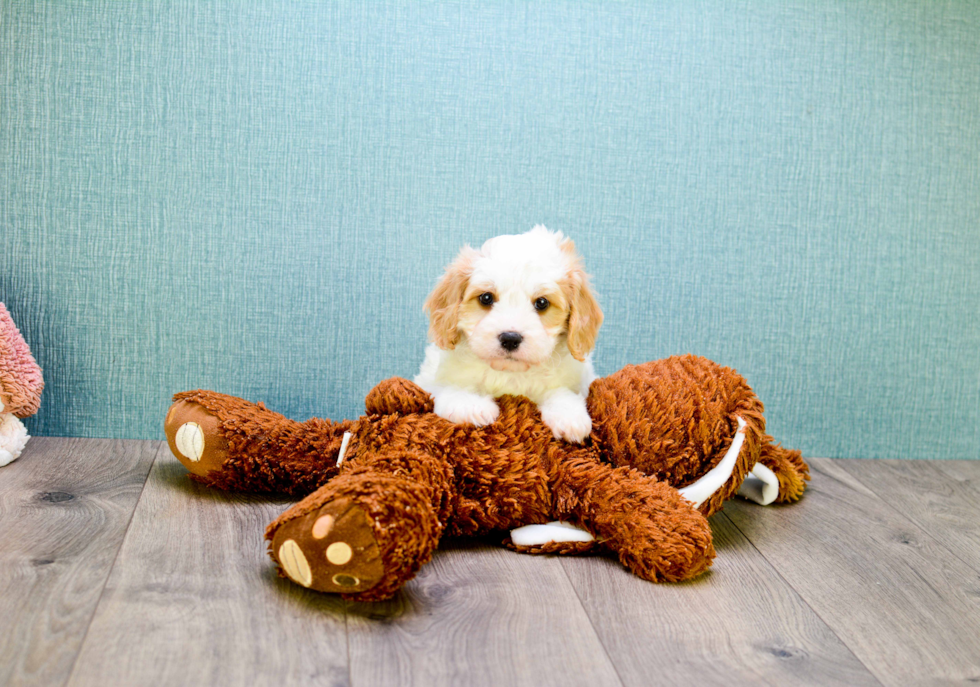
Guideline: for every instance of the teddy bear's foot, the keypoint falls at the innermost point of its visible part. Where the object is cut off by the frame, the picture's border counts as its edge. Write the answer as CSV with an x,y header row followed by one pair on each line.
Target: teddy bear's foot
x,y
330,549
667,541
194,437
367,531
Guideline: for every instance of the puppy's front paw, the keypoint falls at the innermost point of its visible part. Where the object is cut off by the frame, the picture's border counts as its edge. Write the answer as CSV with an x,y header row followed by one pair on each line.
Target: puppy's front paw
x,y
567,417
465,408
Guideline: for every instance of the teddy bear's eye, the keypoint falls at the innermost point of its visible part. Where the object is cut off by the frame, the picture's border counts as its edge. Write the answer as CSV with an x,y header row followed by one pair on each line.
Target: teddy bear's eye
x,y
541,304
486,299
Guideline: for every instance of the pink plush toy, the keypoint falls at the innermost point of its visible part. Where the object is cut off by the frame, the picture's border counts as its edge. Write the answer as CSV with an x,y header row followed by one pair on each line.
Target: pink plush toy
x,y
20,388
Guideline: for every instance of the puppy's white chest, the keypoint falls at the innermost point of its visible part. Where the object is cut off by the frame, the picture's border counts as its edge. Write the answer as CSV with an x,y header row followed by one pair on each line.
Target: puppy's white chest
x,y
462,369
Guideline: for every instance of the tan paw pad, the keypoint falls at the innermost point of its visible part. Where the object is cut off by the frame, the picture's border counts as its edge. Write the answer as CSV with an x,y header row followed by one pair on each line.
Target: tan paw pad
x,y
342,580
339,553
195,438
190,441
294,563
322,526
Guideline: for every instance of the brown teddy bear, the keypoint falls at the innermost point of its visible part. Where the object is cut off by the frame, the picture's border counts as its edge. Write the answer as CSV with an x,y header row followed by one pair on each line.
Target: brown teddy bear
x,y
671,440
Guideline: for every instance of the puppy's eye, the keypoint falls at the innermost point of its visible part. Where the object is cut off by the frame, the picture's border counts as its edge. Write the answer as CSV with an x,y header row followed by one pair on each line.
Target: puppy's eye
x,y
486,299
541,304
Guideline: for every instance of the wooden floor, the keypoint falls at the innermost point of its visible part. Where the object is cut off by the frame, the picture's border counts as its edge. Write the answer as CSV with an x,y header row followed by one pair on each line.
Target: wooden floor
x,y
117,570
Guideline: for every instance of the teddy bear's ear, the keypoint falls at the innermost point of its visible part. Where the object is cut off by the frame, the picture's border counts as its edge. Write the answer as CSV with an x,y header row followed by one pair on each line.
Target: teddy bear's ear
x,y
20,377
397,396
444,301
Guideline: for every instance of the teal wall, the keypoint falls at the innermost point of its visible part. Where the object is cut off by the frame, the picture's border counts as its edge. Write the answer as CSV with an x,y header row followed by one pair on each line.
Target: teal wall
x,y
255,197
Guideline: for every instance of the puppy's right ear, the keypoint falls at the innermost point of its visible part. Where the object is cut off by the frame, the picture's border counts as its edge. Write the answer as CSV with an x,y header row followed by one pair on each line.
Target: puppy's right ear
x,y
444,301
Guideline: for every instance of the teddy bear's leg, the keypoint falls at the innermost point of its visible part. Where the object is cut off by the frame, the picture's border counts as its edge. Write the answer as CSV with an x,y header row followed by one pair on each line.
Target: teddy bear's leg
x,y
369,530
656,532
675,419
229,443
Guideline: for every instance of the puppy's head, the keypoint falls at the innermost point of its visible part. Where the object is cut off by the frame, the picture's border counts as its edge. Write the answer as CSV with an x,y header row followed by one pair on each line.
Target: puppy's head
x,y
515,300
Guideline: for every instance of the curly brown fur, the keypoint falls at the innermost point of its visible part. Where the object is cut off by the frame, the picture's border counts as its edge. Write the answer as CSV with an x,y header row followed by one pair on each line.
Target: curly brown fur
x,y
657,533
263,451
790,470
397,396
404,493
556,548
410,477
420,476
688,420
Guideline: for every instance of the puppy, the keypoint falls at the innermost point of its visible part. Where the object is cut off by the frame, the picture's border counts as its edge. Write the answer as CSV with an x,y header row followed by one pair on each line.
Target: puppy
x,y
515,317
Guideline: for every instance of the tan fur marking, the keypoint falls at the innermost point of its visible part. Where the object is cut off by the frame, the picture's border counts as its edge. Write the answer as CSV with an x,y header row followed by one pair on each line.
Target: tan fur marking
x,y
584,314
444,302
555,317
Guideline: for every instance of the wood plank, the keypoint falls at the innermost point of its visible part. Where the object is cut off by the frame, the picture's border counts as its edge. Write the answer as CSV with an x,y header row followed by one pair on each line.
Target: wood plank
x,y
741,623
65,505
906,607
966,473
194,600
479,615
941,497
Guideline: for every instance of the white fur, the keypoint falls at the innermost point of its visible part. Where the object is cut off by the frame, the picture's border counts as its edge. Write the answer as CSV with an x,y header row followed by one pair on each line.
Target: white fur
x,y
13,438
464,380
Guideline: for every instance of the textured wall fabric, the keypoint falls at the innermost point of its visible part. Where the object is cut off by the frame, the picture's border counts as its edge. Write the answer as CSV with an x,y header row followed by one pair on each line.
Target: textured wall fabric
x,y
255,197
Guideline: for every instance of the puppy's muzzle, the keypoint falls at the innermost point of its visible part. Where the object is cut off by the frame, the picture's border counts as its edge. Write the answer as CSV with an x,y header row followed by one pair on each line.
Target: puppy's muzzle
x,y
509,341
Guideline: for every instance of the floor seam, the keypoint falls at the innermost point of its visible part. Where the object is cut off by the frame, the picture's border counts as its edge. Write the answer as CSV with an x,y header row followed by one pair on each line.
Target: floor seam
x,y
115,560
800,596
588,617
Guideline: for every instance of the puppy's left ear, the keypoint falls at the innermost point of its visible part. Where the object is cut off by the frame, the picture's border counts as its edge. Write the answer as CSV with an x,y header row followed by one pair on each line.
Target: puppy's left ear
x,y
584,313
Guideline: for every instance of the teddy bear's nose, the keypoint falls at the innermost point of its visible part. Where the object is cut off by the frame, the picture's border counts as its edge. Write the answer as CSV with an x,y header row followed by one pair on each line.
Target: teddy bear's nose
x,y
510,340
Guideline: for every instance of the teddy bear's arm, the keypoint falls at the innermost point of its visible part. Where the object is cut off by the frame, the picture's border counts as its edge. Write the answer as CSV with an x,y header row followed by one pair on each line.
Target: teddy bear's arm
x,y
229,443
657,533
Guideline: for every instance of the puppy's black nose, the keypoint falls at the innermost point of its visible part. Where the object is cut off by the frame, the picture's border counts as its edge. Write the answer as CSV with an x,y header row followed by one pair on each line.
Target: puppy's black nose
x,y
510,340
